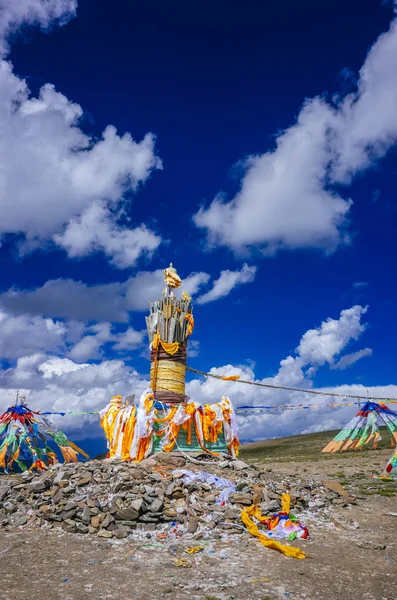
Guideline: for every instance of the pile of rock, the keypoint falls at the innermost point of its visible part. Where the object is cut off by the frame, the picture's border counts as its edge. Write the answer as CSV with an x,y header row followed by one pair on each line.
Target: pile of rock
x,y
113,498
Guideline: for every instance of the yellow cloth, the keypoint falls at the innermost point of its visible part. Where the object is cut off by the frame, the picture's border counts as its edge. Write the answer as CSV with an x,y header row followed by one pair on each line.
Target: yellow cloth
x,y
253,511
168,348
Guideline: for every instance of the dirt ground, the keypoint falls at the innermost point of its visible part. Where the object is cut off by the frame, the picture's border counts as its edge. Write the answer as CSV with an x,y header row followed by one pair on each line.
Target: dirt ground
x,y
353,554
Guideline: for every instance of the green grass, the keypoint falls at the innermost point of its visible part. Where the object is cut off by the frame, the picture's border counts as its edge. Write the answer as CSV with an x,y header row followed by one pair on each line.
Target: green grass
x,y
302,448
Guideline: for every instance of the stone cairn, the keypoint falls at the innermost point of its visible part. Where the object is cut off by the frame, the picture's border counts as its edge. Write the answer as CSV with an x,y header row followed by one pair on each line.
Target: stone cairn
x,y
114,498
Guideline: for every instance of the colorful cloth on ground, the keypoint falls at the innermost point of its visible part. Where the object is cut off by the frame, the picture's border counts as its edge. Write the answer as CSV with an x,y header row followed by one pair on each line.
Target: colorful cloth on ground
x,y
130,430
23,439
280,525
364,428
391,467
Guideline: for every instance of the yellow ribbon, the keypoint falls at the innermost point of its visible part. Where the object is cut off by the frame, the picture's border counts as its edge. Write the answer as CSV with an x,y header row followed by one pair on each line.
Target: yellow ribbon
x,y
254,511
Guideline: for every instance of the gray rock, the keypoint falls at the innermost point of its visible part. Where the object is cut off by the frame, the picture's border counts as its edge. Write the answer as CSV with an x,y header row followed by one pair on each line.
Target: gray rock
x,y
147,463
270,507
149,519
241,498
128,514
137,504
70,505
3,492
168,458
84,480
232,514
238,465
61,476
170,489
156,506
9,506
67,514
57,497
81,528
107,521
105,534
86,516
69,526
38,486
121,534
20,520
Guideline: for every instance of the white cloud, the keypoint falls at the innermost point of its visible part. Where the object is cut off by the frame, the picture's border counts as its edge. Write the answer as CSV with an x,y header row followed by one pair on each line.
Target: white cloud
x,y
59,185
226,282
322,345
94,230
68,299
24,335
16,13
350,359
287,198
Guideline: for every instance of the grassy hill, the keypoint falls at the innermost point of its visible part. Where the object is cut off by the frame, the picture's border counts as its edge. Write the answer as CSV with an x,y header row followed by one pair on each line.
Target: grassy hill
x,y
302,448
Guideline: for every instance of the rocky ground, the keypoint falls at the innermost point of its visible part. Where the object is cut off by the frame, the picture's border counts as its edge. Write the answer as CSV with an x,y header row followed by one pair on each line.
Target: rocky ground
x,y
118,530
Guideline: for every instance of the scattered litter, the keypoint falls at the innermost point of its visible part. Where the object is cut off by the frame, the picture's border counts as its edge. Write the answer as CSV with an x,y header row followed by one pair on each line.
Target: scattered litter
x,y
65,579
194,549
182,562
391,514
260,580
225,485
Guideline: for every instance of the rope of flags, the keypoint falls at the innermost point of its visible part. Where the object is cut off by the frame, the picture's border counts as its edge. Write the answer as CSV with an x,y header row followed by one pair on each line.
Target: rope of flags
x,y
237,379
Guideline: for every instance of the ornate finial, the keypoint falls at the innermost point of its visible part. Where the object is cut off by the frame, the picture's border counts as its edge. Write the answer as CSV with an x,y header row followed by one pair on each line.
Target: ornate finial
x,y
186,297
172,278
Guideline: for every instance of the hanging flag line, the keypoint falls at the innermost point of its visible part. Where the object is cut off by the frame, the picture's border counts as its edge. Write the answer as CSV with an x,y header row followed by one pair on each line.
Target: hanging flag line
x,y
237,379
71,412
253,409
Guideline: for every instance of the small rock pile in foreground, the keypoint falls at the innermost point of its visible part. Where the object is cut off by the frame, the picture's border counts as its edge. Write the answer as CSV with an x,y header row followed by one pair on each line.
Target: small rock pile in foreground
x,y
113,498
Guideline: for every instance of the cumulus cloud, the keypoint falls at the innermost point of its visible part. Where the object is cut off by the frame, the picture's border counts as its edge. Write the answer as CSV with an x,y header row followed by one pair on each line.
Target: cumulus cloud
x,y
68,299
17,13
322,345
57,184
94,230
226,282
288,196
350,359
25,335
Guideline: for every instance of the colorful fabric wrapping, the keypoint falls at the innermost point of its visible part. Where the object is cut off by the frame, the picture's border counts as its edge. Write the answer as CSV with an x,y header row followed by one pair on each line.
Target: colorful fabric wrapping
x,y
132,432
23,440
364,428
168,371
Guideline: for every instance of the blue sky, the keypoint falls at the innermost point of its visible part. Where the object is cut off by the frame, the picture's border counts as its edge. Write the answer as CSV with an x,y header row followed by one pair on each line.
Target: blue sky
x,y
251,144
